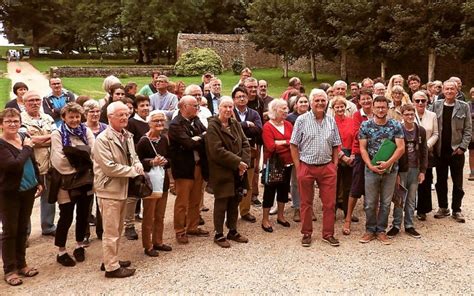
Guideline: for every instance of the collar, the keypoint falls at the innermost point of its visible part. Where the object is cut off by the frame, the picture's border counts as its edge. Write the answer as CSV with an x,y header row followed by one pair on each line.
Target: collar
x,y
242,113
137,117
362,112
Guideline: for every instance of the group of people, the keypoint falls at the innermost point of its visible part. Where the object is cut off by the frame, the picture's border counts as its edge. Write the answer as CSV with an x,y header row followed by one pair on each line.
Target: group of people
x,y
78,151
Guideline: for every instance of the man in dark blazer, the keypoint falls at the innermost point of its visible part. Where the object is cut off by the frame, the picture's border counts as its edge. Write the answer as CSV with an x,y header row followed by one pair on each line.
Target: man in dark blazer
x,y
252,125
189,168
214,95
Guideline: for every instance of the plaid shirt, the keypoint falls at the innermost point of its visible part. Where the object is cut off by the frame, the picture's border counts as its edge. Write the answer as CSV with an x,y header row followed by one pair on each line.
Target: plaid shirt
x,y
315,140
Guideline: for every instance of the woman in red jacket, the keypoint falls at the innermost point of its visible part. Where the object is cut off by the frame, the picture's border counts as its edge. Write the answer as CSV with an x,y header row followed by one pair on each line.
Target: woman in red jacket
x,y
276,139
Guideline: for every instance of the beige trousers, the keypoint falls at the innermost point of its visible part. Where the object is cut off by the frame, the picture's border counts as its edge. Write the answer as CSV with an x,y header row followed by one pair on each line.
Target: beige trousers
x,y
187,203
247,199
153,217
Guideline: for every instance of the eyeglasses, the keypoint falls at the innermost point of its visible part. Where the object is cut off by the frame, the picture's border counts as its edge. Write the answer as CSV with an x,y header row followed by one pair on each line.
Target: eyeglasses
x,y
319,101
158,120
161,81
409,114
56,83
11,122
380,108
241,97
420,101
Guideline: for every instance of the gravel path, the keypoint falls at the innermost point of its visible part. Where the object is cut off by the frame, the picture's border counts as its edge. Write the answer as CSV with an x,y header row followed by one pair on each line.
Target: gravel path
x,y
29,75
441,262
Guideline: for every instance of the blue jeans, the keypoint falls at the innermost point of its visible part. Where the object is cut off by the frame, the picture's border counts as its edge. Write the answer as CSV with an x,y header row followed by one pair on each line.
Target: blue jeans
x,y
378,185
295,194
47,210
409,180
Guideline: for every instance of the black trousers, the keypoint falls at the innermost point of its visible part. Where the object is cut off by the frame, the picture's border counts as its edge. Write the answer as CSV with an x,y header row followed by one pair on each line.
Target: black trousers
x,y
455,164
15,209
66,214
98,217
281,190
344,181
223,206
423,205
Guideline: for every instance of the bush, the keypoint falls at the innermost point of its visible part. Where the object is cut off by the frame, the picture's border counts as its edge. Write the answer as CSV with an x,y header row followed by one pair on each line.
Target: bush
x,y
237,66
197,62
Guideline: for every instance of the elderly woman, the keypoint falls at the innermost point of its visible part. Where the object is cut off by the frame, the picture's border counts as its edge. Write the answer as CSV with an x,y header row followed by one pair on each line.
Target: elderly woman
x,y
398,99
19,89
276,139
152,150
396,79
19,176
429,122
108,82
92,113
345,126
70,142
116,93
179,89
228,152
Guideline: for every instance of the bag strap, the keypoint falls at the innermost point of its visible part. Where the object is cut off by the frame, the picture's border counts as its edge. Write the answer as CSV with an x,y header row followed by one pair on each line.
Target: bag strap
x,y
152,146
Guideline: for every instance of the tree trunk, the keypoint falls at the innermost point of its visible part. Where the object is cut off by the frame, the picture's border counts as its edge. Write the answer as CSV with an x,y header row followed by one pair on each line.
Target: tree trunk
x,y
285,67
139,52
344,64
383,67
314,76
431,64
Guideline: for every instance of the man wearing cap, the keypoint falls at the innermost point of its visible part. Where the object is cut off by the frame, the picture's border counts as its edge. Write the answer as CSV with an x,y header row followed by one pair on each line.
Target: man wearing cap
x,y
39,126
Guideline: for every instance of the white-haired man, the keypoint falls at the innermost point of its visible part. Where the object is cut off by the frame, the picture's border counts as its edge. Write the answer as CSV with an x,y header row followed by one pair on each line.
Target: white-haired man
x,y
115,161
339,88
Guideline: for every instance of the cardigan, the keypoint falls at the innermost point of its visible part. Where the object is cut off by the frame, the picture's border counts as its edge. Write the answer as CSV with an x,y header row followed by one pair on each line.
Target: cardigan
x,y
146,153
270,134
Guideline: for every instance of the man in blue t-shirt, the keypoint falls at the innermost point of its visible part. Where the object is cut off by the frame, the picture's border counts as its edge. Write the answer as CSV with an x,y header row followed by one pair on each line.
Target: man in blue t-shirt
x,y
380,178
56,100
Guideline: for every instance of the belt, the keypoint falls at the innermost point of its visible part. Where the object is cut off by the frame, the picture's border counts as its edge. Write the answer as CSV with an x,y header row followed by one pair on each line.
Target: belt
x,y
317,165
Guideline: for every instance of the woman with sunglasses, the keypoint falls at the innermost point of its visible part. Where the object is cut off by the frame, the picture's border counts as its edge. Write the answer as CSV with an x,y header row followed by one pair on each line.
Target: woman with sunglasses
x,y
429,122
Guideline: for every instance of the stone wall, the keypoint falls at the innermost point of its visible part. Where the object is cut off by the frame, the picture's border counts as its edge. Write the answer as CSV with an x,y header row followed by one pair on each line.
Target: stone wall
x,y
126,71
229,47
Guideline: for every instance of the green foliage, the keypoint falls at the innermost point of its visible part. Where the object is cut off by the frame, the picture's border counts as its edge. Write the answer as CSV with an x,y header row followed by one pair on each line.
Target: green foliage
x,y
5,88
43,65
198,61
237,66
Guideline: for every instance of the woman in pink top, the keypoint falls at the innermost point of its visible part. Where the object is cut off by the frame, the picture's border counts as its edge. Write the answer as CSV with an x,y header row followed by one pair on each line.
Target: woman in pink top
x,y
276,139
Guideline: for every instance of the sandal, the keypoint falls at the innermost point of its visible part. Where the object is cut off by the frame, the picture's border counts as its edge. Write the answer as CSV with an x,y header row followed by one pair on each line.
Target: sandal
x,y
28,271
13,279
345,230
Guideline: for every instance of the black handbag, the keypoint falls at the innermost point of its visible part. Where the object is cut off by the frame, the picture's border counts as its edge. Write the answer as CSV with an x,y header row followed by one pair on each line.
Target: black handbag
x,y
274,170
140,186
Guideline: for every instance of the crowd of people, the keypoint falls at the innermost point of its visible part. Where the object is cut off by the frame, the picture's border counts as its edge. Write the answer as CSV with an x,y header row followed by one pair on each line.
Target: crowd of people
x,y
381,141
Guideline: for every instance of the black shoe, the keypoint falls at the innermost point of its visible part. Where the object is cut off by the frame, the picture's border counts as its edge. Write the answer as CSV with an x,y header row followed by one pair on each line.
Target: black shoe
x,y
331,240
283,223
393,232
354,219
421,217
256,202
412,232
131,234
79,254
201,221
249,218
163,247
65,260
86,242
121,272
151,253
52,233
138,218
267,229
121,263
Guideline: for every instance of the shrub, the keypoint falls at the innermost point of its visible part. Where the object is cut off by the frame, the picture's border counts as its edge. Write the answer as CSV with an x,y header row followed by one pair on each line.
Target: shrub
x,y
198,61
237,66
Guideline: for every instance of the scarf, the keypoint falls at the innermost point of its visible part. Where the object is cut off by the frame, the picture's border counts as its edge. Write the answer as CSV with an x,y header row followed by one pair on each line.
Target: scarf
x,y
66,132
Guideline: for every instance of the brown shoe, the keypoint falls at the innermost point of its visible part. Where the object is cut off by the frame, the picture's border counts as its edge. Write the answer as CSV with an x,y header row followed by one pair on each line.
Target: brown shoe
x,y
249,218
222,242
306,240
367,237
383,238
182,238
297,216
198,232
237,237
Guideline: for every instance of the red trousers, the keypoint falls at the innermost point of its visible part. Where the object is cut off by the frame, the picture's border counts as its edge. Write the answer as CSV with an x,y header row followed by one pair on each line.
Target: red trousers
x,y
326,177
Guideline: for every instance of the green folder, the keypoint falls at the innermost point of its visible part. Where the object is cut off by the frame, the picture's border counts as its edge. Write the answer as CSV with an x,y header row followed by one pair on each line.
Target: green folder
x,y
386,151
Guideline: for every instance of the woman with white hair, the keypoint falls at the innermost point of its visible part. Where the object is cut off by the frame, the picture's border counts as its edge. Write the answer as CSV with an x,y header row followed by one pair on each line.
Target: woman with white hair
x,y
276,139
152,150
108,82
92,112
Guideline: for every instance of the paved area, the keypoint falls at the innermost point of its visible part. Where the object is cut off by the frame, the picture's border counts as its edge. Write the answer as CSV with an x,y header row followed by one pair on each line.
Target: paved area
x,y
29,75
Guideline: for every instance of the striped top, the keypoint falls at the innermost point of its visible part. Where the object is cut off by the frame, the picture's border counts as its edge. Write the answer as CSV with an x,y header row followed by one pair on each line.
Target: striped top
x,y
315,140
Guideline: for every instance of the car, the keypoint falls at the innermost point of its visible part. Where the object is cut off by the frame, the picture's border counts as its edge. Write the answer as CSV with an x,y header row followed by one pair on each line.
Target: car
x,y
55,52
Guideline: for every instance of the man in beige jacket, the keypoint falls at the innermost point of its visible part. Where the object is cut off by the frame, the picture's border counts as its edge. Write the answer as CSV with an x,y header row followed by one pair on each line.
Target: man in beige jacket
x,y
115,161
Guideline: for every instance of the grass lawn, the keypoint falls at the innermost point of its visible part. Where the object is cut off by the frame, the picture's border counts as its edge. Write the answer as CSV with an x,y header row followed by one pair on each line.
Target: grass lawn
x,y
4,48
43,65
92,86
5,86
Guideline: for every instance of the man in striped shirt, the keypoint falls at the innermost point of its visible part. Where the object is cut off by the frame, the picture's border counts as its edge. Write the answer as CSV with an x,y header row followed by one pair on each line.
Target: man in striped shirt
x,y
314,149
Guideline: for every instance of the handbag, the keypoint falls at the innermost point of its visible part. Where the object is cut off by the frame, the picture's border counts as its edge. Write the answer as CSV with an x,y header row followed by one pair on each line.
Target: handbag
x,y
274,170
140,187
156,174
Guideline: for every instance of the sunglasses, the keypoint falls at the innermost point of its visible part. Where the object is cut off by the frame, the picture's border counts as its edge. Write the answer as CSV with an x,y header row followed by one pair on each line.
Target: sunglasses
x,y
420,101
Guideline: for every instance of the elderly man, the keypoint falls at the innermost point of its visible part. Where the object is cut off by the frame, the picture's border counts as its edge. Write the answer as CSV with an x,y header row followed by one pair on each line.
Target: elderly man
x,y
206,78
56,100
115,162
214,95
244,74
188,167
379,89
203,112
294,85
368,83
455,131
263,94
39,126
150,89
314,149
163,99
339,89
459,95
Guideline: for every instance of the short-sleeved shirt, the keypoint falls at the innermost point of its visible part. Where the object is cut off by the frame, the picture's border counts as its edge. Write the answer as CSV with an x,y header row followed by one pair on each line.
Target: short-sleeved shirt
x,y
167,102
375,134
315,140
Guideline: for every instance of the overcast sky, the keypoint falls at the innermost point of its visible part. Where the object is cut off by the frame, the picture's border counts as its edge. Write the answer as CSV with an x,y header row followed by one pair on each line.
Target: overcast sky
x,y
3,40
